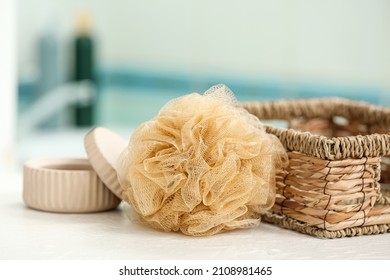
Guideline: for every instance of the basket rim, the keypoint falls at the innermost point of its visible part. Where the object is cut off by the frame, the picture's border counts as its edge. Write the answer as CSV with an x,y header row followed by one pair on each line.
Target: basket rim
x,y
334,148
330,148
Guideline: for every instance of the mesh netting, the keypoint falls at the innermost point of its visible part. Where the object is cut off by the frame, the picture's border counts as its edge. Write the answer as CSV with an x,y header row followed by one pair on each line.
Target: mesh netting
x,y
201,166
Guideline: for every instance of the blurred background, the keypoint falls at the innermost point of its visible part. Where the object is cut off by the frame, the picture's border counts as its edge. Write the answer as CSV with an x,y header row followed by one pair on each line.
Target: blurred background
x,y
85,63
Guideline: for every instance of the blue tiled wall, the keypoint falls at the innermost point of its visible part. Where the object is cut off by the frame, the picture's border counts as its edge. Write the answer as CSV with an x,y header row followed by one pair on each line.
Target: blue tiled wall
x,y
133,95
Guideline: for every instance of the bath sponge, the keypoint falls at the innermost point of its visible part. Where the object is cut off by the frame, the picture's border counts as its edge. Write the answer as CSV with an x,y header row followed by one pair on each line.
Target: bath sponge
x,y
201,166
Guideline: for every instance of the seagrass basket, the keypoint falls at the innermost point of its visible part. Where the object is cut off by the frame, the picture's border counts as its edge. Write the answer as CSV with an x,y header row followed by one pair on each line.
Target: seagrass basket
x,y
337,183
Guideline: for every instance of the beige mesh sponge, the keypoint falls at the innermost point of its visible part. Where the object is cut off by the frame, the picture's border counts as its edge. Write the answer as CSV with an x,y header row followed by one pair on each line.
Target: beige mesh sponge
x,y
201,166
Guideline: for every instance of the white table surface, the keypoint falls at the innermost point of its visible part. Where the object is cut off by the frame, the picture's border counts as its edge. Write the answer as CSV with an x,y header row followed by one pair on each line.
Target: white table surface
x,y
29,234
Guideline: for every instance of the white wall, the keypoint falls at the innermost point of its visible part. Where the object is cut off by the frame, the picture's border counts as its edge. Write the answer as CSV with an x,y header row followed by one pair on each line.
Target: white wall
x,y
7,83
334,41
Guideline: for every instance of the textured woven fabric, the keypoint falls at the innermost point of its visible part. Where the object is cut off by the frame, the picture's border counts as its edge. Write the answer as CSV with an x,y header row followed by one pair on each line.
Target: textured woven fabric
x,y
201,166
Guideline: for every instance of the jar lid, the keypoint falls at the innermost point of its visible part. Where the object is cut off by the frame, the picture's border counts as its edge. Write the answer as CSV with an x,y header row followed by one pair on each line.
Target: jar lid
x,y
103,148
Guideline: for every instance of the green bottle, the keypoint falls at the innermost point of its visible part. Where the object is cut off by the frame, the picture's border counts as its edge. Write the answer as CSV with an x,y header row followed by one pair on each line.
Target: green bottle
x,y
84,68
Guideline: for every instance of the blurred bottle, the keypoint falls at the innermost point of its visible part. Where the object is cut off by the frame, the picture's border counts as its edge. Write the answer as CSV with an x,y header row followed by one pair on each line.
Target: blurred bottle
x,y
49,69
48,61
84,67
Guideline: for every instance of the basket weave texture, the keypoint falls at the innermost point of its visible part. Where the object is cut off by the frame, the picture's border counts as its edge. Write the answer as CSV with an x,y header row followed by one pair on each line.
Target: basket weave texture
x,y
338,178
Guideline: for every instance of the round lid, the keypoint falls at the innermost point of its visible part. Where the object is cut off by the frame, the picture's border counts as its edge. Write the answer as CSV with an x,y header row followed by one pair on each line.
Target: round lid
x,y
103,148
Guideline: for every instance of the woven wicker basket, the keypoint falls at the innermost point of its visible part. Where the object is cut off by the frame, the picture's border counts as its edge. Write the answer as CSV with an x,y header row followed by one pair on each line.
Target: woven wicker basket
x,y
337,181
